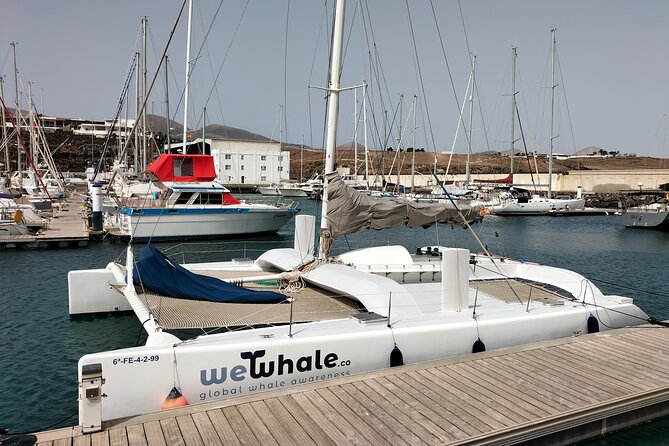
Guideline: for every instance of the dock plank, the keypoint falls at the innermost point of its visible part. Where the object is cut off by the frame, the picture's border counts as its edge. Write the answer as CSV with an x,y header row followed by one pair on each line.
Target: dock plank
x,y
377,418
189,432
416,411
256,424
244,432
206,429
118,437
223,428
136,435
154,434
171,432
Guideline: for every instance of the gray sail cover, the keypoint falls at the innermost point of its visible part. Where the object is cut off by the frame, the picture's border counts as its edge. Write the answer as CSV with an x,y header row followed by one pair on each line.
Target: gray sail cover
x,y
350,210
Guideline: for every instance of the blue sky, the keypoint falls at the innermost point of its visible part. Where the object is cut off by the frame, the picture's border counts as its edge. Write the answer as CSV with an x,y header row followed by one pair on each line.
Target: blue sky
x,y
613,61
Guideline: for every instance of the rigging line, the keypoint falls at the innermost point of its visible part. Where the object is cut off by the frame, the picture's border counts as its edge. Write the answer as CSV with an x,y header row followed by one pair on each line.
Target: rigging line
x,y
527,155
119,110
311,71
153,81
653,293
566,104
380,75
448,67
483,124
4,61
225,57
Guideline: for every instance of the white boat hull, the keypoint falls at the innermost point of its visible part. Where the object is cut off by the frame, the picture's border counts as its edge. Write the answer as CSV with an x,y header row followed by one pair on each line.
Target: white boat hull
x,y
536,206
137,380
179,223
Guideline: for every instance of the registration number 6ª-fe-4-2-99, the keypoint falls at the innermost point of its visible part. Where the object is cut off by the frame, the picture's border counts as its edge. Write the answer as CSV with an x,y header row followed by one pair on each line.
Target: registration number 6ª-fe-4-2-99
x,y
136,359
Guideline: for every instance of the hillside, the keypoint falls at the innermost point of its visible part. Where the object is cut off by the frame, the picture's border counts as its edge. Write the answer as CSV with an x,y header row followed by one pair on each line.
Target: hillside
x,y
479,163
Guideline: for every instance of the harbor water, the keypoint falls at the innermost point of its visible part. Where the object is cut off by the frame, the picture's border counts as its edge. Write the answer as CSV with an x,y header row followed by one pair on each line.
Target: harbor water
x,y
41,344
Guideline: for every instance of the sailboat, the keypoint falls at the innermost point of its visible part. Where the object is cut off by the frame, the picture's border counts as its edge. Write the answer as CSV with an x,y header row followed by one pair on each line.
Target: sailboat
x,y
518,201
652,215
364,310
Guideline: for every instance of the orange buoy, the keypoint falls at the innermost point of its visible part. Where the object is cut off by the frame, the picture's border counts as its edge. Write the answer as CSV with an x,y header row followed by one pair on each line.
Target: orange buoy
x,y
174,399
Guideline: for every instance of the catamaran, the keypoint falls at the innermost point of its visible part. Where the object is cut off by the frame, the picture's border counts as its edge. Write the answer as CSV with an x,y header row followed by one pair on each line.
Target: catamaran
x,y
331,317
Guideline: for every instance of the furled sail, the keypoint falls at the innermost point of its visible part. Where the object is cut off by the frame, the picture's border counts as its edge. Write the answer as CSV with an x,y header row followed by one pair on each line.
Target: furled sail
x,y
157,273
350,210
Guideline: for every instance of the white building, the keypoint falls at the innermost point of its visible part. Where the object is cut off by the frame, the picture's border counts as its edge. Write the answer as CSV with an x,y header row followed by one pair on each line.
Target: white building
x,y
244,162
122,127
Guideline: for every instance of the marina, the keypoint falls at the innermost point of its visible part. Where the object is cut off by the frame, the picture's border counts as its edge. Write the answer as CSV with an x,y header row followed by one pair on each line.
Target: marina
x,y
587,239
509,396
364,308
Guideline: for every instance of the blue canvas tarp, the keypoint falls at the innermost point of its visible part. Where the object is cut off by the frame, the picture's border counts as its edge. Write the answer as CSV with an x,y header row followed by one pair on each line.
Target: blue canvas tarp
x,y
158,274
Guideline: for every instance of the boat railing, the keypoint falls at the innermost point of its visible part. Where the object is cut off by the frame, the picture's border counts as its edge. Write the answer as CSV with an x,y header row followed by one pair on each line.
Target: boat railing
x,y
220,251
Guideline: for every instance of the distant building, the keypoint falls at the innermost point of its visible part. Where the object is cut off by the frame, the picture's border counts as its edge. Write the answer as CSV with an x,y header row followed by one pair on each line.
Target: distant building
x,y
100,129
243,162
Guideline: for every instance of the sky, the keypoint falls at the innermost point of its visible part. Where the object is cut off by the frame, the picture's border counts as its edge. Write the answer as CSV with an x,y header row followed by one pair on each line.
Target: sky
x,y
262,61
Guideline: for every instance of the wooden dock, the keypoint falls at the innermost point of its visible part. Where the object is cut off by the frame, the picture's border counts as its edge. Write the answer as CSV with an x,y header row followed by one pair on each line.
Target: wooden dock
x,y
66,228
555,392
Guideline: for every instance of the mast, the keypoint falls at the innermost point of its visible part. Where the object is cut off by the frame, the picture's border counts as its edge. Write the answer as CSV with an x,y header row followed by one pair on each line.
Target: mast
x,y
413,144
301,159
17,102
167,103
138,107
550,154
332,116
204,124
513,106
31,125
364,123
471,116
144,152
5,143
190,28
355,134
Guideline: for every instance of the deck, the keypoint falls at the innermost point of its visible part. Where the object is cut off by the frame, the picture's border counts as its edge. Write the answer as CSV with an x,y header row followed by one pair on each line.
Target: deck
x,y
555,392
67,228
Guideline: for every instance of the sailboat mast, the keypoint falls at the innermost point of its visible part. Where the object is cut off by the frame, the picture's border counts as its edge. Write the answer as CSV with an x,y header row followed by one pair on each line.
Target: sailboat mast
x,y
513,106
5,143
332,117
17,112
413,144
190,28
144,152
550,155
355,134
167,102
364,123
138,107
471,117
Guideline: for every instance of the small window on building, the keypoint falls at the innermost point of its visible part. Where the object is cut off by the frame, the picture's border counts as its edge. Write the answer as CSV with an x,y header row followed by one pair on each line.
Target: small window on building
x,y
280,168
263,167
263,178
263,157
227,167
241,167
227,156
280,158
241,157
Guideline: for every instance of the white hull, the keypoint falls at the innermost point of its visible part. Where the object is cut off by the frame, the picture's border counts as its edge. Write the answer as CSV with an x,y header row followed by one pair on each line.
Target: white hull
x,y
292,192
214,367
536,206
272,191
197,225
